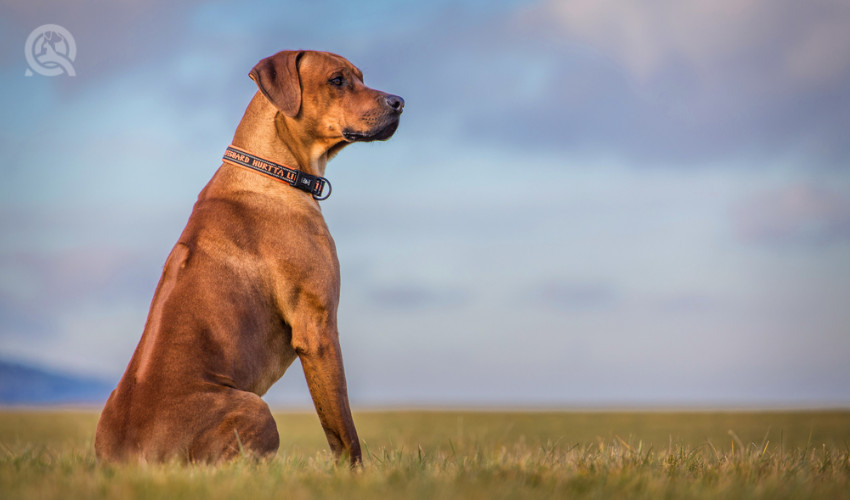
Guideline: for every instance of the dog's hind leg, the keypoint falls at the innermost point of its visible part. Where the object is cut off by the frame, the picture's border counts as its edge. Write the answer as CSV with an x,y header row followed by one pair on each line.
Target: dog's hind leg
x,y
246,428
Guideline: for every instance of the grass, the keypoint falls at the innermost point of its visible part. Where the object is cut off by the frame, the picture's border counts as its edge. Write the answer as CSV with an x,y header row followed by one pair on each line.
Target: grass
x,y
445,455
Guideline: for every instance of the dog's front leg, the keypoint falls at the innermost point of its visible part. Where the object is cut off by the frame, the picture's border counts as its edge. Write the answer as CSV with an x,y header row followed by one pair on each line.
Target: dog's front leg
x,y
322,363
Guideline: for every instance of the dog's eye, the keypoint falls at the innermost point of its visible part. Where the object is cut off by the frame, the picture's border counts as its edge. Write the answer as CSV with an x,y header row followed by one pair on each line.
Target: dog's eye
x,y
337,81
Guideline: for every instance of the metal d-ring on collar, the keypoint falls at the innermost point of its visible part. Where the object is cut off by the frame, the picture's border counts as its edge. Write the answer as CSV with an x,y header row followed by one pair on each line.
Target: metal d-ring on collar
x,y
313,184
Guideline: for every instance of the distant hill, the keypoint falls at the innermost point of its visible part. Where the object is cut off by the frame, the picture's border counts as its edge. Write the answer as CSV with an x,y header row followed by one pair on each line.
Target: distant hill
x,y
22,385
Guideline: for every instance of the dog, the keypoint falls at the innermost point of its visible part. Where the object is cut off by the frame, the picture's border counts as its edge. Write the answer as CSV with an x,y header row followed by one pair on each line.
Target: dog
x,y
253,281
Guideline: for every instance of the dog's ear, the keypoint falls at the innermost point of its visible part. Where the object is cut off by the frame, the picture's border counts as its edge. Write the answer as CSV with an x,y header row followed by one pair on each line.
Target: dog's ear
x,y
278,80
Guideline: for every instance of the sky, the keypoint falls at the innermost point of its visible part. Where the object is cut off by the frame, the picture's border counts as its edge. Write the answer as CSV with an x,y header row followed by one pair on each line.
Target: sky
x,y
587,203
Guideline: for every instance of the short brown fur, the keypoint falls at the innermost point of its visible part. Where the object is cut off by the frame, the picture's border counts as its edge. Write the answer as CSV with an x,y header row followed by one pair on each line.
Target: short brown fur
x,y
252,283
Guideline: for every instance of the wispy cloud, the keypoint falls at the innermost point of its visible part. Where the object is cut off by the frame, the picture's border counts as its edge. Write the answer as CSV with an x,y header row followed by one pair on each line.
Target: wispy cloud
x,y
802,214
569,296
659,83
408,297
788,43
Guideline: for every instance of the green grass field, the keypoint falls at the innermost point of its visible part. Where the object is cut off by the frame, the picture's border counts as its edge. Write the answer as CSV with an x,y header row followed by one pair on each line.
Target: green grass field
x,y
446,454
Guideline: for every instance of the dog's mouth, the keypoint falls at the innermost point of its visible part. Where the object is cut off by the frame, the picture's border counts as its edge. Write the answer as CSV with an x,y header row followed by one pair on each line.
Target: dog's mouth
x,y
381,133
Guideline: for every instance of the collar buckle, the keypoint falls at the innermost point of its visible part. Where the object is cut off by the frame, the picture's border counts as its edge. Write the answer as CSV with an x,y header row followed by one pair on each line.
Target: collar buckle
x,y
319,187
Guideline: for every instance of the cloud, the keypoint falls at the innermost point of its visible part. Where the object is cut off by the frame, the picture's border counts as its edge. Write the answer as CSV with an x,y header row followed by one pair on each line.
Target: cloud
x,y
73,279
407,297
110,36
573,296
655,83
23,318
65,277
693,82
687,303
790,41
81,307
802,214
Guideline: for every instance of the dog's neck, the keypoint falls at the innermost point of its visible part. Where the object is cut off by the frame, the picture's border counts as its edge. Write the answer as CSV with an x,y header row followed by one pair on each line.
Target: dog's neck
x,y
264,132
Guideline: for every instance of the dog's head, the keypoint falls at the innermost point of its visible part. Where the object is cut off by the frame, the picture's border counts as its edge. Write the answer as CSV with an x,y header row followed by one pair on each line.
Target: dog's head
x,y
325,96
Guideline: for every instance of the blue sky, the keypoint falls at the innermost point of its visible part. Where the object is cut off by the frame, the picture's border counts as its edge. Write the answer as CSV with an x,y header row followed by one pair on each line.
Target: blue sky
x,y
586,203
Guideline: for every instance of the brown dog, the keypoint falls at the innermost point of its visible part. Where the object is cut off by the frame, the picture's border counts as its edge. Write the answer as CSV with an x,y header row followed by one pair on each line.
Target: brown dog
x,y
252,283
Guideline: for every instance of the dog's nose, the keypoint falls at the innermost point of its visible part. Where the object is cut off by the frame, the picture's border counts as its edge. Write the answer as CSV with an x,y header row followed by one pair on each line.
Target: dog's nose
x,y
395,102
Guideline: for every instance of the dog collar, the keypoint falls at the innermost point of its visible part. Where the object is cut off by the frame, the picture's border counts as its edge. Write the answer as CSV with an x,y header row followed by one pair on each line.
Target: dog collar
x,y
313,184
